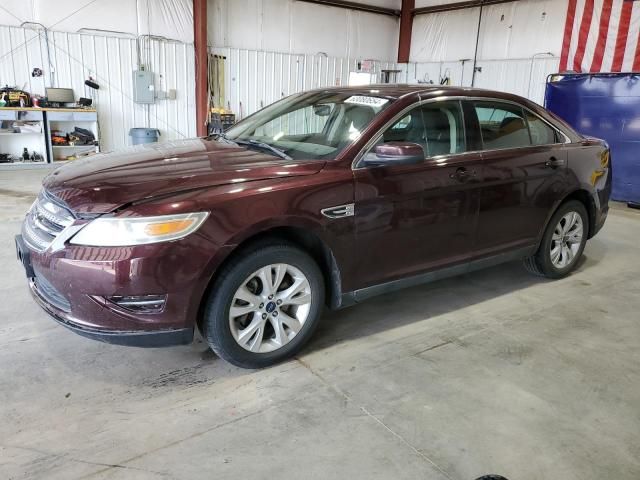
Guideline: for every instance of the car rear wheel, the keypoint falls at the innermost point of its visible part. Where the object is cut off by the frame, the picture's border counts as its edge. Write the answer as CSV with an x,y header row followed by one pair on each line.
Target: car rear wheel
x,y
563,242
264,306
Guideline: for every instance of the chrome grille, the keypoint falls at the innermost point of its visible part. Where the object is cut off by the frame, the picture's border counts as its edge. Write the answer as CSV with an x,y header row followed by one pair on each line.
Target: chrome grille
x,y
46,219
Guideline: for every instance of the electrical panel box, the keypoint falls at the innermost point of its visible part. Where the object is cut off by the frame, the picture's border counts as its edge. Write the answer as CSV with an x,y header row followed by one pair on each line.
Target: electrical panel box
x,y
143,89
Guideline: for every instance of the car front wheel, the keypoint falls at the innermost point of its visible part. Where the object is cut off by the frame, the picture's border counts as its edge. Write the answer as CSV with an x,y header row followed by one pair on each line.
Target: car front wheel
x,y
264,306
563,242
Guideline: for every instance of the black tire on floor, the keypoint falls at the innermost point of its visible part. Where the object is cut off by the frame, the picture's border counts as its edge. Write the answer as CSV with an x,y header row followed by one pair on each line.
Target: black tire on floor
x,y
540,263
215,326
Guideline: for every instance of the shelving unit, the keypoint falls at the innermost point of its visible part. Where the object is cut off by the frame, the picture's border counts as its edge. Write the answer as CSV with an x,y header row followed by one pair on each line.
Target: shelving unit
x,y
13,143
49,120
65,120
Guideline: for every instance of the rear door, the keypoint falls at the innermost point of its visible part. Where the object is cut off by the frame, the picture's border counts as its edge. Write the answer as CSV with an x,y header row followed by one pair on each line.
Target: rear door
x,y
414,218
524,162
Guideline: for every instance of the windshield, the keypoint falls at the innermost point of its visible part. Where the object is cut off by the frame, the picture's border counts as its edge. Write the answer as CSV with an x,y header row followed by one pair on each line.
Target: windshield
x,y
314,125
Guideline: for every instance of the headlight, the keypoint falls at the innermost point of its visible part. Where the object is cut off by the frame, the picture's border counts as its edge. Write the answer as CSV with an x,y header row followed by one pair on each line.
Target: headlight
x,y
121,232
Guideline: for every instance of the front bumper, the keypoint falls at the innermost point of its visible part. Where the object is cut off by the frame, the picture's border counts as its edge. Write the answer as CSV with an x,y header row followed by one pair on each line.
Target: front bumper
x,y
160,338
73,285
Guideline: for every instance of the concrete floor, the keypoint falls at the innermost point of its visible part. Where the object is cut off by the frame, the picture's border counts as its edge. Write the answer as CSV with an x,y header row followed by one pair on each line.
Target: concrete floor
x,y
494,372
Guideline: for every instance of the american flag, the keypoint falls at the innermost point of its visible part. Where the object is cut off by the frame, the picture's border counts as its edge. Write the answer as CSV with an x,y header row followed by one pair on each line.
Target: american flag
x,y
601,36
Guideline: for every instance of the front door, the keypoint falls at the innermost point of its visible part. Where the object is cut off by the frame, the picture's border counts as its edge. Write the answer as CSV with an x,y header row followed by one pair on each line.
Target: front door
x,y
414,218
524,165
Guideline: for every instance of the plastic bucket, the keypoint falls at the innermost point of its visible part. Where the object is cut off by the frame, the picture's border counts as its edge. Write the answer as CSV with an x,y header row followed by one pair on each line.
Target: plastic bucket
x,y
144,135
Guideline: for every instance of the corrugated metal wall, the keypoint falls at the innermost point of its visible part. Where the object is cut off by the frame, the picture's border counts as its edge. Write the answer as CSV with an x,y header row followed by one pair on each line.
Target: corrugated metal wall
x,y
509,30
254,79
525,77
110,61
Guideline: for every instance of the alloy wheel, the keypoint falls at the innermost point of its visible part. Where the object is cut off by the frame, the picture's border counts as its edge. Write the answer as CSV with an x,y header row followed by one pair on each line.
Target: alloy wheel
x,y
566,240
270,308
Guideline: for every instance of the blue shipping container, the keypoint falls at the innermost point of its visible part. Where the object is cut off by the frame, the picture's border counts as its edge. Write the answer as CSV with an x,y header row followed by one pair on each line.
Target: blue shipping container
x,y
607,106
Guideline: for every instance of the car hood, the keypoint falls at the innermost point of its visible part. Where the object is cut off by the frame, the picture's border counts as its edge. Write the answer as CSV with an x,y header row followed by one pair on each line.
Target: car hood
x,y
104,182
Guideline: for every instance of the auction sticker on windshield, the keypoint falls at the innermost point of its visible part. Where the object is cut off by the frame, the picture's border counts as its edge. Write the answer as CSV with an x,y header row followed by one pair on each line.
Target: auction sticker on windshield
x,y
365,100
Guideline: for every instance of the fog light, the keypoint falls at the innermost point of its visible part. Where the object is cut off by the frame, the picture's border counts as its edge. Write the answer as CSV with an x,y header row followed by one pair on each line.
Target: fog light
x,y
139,303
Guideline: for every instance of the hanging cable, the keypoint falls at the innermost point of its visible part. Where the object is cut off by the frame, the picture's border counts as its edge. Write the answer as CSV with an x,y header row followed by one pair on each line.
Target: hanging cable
x,y
475,55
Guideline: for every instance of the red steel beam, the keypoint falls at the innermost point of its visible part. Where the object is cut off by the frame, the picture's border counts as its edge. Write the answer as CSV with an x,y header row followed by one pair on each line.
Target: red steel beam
x,y
200,47
406,24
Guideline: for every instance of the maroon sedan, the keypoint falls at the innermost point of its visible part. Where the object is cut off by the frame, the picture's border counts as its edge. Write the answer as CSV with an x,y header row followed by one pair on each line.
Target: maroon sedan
x,y
324,198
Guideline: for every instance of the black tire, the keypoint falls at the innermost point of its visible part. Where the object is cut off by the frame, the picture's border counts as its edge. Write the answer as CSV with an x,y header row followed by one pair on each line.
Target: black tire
x,y
540,263
215,326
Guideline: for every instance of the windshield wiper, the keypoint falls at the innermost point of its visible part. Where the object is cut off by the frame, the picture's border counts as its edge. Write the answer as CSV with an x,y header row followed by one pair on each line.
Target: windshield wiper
x,y
262,145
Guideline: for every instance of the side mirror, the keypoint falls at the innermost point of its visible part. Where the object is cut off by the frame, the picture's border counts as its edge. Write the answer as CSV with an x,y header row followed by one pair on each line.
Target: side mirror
x,y
395,153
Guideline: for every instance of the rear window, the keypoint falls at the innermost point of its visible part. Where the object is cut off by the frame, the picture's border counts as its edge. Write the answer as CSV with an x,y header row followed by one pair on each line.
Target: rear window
x,y
541,133
502,125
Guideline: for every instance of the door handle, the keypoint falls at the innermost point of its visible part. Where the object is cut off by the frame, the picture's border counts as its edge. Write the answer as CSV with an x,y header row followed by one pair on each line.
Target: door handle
x,y
462,174
554,162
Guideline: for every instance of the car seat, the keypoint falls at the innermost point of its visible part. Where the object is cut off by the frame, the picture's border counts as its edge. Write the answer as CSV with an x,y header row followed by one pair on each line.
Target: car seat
x,y
438,132
356,118
513,132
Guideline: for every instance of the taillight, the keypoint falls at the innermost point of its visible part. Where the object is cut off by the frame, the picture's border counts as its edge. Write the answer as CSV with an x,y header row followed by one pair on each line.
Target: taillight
x,y
605,158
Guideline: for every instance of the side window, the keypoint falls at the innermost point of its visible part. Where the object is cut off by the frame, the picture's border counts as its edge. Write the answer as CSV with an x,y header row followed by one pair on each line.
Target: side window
x,y
444,128
541,133
437,127
502,125
410,128
402,124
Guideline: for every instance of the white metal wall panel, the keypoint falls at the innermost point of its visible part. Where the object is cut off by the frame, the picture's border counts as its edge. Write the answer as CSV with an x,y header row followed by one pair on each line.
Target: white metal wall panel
x,y
508,31
525,77
255,79
299,27
167,18
436,72
522,29
518,48
444,36
110,61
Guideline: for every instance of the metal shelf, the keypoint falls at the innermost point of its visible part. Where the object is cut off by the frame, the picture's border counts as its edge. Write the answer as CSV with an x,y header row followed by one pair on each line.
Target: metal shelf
x,y
49,119
14,134
75,146
14,143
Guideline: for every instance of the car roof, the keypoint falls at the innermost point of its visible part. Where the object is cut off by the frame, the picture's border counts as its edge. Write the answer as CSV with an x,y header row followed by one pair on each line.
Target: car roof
x,y
399,90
